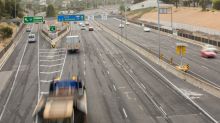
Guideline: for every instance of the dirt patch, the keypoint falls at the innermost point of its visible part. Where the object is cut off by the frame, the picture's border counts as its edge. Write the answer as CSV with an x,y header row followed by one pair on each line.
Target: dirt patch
x,y
191,16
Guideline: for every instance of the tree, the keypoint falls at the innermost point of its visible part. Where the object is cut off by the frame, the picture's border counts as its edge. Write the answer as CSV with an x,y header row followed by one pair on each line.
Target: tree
x,y
204,4
1,9
50,11
216,4
122,8
6,32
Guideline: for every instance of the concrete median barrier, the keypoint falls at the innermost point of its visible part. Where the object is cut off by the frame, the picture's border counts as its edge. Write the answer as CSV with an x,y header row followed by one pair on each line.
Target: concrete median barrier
x,y
206,86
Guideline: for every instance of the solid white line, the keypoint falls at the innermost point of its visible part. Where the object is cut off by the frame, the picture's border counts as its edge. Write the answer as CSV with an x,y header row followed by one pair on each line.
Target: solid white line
x,y
52,49
205,67
52,52
51,65
125,113
13,84
53,60
114,87
38,69
63,65
143,85
50,72
53,55
163,111
46,81
44,93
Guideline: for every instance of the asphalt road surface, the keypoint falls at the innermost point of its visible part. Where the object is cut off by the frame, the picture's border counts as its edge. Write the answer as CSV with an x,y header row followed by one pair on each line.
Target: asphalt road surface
x,y
206,68
121,88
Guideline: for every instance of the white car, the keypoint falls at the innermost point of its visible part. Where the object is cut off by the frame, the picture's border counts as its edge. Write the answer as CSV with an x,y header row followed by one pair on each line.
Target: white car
x,y
127,23
31,38
210,48
121,26
146,29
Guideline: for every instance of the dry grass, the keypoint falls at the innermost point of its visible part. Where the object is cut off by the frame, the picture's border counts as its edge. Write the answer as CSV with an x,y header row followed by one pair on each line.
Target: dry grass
x,y
191,16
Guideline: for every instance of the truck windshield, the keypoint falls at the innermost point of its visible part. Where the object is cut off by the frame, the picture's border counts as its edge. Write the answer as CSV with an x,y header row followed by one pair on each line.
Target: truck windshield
x,y
31,36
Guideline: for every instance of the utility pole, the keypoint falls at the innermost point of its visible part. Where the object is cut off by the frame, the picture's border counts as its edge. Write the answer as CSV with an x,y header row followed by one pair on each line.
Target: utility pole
x,y
158,24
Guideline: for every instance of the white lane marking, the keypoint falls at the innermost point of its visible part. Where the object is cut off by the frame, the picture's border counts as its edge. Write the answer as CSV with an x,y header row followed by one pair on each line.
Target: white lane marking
x,y
108,72
125,113
53,56
52,52
84,73
114,87
38,68
121,87
52,49
50,72
44,93
84,62
205,67
164,113
13,84
52,60
46,81
140,107
143,85
51,65
63,65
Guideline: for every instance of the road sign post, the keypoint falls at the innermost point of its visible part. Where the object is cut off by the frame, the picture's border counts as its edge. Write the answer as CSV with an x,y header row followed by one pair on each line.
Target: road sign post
x,y
181,51
33,19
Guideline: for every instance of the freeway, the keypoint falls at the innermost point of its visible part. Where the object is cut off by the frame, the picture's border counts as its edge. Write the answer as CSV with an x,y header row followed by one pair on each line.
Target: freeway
x,y
206,68
121,87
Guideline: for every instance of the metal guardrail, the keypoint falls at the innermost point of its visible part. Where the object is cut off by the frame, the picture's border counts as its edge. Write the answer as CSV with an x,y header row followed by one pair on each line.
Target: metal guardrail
x,y
12,41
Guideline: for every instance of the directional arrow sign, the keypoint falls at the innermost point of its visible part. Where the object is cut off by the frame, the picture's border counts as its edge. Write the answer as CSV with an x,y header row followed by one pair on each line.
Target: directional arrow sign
x,y
52,28
33,19
77,17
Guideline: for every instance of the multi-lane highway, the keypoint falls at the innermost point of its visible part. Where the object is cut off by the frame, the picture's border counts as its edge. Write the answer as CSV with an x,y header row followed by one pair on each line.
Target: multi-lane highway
x,y
206,68
121,86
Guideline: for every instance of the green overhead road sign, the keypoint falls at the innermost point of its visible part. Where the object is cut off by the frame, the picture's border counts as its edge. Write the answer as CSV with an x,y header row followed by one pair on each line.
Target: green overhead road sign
x,y
33,19
52,28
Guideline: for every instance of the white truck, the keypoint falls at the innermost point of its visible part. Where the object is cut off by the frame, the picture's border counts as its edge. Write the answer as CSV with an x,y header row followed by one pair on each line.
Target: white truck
x,y
31,38
73,43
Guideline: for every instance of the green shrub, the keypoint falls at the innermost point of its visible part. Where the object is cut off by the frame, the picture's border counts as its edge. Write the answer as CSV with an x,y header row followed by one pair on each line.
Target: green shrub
x,y
216,4
6,32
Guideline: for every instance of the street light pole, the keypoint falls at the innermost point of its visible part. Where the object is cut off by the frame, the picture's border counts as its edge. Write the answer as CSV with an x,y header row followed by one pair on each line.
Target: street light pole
x,y
158,24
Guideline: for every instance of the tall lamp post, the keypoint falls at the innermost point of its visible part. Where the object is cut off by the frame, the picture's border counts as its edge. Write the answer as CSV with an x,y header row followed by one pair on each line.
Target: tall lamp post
x,y
158,24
